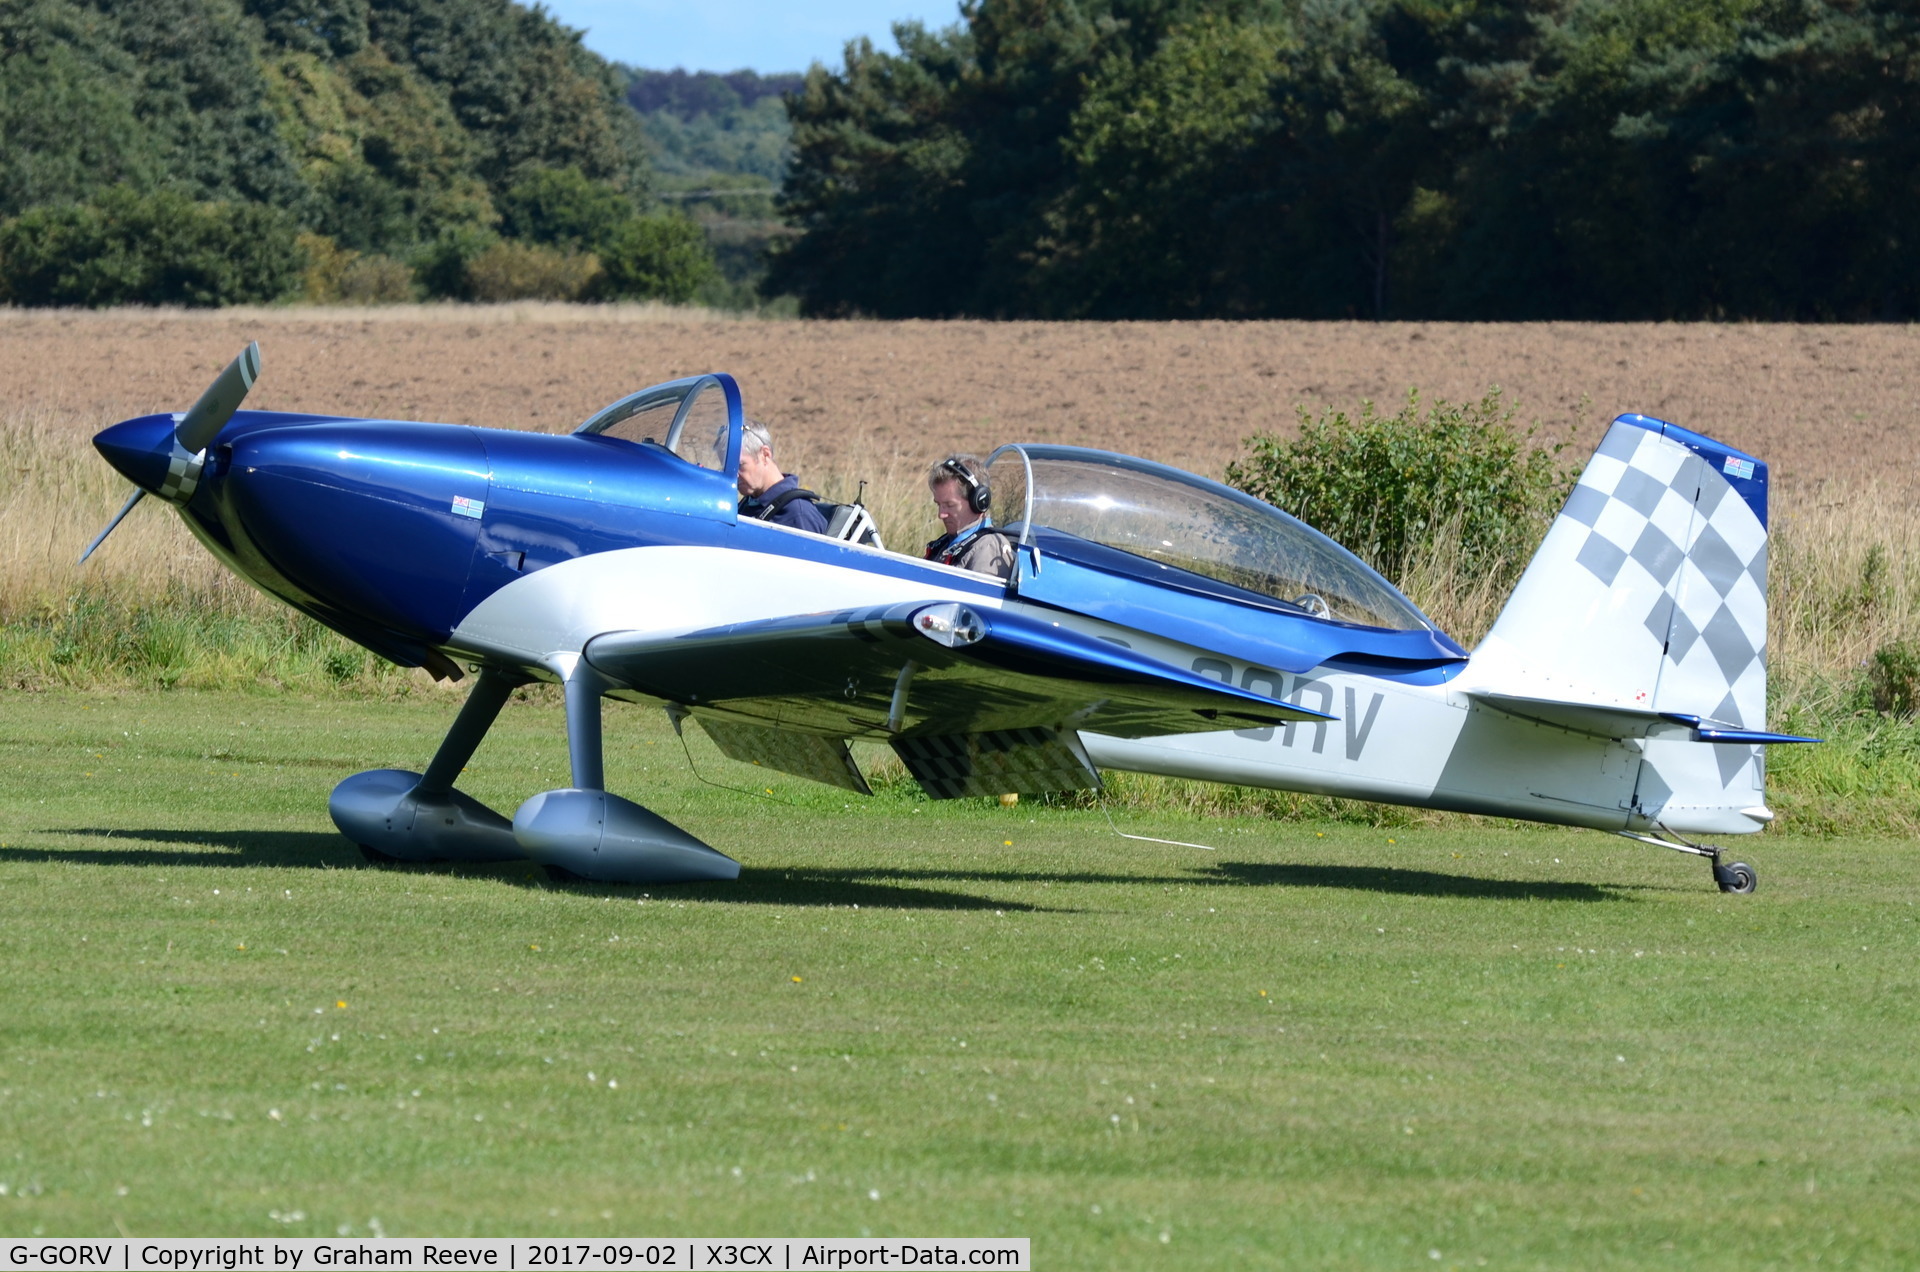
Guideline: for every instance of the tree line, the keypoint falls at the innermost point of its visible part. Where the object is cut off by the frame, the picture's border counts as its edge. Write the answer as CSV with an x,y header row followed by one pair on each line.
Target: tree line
x,y
719,149
212,151
1461,159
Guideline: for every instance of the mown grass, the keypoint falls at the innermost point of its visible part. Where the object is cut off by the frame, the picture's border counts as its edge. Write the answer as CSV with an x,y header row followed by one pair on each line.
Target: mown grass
x,y
1321,1045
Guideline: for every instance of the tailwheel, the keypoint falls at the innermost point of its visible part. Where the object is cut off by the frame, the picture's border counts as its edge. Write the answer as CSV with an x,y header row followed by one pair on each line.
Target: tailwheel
x,y
1737,878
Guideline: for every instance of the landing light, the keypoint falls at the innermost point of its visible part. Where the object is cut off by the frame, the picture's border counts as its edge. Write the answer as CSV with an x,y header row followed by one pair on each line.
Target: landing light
x,y
951,624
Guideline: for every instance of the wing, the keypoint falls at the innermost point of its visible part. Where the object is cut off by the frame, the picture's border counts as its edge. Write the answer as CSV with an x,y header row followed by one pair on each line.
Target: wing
x,y
922,670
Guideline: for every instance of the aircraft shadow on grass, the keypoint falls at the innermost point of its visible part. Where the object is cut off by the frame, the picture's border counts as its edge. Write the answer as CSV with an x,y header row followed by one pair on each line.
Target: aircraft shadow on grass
x,y
899,888
1260,874
323,850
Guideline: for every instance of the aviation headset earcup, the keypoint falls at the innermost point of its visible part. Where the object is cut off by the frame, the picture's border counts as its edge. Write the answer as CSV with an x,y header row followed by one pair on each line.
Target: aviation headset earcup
x,y
979,493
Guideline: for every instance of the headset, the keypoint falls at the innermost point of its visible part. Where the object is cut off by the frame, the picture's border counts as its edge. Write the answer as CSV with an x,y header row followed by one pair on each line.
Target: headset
x,y
979,493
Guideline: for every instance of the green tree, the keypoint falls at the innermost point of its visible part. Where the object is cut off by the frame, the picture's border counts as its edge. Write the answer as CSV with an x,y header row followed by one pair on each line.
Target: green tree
x,y
1380,158
67,108
521,86
159,248
1147,228
329,28
562,207
383,125
658,257
203,96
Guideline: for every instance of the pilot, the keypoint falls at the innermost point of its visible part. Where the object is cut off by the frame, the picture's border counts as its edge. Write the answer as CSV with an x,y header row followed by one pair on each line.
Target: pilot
x,y
766,493
962,496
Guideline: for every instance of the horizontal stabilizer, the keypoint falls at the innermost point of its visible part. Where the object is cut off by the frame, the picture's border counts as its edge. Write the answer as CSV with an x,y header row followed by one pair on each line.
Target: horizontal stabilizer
x,y
1603,720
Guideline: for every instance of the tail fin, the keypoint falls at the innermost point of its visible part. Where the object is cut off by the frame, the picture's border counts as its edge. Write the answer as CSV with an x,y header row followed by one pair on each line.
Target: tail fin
x,y
1648,600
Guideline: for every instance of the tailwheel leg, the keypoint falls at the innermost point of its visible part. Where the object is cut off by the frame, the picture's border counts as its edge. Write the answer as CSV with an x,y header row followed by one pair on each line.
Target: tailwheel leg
x,y
1736,877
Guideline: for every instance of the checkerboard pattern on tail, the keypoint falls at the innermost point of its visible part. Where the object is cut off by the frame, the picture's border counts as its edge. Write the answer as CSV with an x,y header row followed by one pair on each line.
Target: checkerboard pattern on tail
x,y
1650,592
1711,615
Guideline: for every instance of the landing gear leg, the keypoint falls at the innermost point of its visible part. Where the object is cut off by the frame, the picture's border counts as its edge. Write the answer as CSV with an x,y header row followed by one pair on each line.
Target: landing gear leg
x,y
477,715
584,832
397,816
1738,878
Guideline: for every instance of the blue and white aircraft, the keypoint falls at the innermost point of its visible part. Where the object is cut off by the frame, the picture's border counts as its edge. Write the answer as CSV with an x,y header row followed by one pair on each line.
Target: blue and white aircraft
x,y
1155,621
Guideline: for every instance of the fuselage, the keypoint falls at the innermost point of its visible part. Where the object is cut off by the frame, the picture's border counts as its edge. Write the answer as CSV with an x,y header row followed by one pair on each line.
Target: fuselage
x,y
441,545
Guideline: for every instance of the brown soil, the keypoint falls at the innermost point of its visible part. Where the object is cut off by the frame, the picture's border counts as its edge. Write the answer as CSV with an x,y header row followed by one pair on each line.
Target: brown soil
x,y
1818,402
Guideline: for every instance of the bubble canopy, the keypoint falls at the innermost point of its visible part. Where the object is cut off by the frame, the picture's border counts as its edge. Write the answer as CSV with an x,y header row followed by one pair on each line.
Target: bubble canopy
x,y
698,419
1186,532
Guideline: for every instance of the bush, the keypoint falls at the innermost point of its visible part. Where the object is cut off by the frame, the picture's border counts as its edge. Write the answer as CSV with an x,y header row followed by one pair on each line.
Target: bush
x,y
517,271
659,257
441,266
155,249
561,207
338,275
1388,486
1893,678
374,279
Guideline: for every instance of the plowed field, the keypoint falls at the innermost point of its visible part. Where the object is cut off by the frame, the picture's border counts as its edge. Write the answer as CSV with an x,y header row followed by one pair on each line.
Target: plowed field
x,y
1818,402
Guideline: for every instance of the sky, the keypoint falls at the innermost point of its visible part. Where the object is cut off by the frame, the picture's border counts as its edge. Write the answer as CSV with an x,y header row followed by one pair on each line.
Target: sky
x,y
729,35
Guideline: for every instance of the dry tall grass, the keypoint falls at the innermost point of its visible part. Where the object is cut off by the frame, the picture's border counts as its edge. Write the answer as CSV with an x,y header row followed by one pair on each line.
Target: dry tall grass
x,y
153,607
55,496
1844,578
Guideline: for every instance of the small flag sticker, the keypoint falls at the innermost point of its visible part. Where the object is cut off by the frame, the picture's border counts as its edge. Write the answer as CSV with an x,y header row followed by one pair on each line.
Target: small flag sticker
x,y
466,507
1734,467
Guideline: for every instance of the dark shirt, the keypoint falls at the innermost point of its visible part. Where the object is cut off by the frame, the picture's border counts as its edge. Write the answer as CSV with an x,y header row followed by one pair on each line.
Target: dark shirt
x,y
800,513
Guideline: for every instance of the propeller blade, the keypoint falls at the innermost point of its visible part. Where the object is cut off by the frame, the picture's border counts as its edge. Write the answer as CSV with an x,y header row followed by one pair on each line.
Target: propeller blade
x,y
118,517
203,421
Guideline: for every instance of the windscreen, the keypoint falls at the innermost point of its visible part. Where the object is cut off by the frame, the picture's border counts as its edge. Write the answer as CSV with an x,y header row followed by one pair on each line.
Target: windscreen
x,y
700,437
646,416
1187,522
692,418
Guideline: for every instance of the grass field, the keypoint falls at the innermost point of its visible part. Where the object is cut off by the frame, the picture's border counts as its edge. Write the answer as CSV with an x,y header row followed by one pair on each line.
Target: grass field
x,y
1319,1046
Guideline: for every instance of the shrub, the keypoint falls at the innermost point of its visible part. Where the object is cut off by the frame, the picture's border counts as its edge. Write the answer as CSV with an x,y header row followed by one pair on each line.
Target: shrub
x,y
517,271
374,279
659,257
159,248
562,207
1893,678
441,266
1389,486
337,274
327,261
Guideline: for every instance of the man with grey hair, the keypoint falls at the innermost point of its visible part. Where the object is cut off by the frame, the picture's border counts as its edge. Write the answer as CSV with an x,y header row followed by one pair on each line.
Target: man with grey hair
x,y
766,493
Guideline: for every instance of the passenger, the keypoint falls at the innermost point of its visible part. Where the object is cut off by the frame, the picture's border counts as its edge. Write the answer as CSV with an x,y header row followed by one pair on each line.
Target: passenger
x,y
766,493
962,496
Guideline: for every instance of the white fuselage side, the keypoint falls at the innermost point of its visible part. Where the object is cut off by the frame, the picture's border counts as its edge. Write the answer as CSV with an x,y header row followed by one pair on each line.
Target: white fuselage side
x,y
1422,745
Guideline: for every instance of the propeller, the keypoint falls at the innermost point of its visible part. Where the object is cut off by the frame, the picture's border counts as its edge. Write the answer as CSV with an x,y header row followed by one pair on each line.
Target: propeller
x,y
187,449
125,508
205,418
